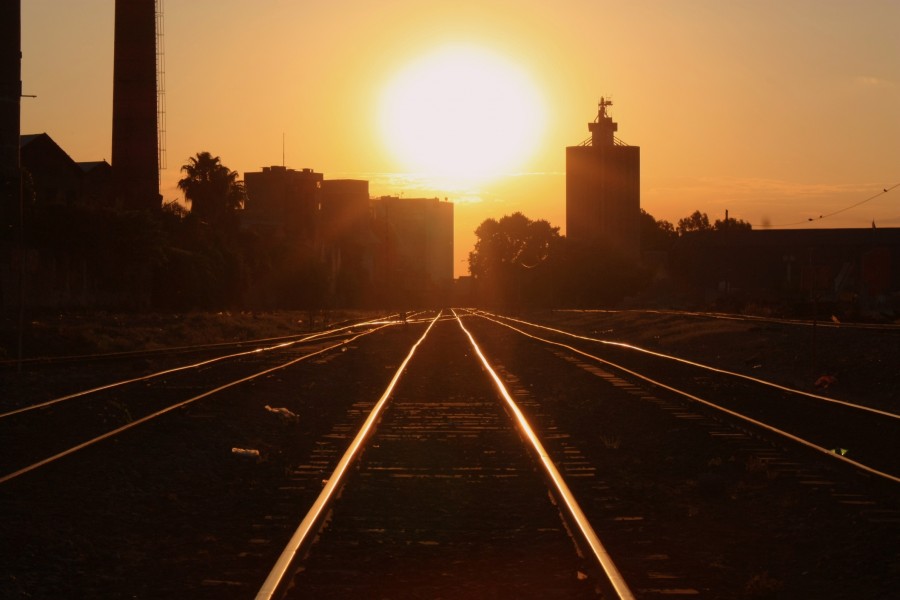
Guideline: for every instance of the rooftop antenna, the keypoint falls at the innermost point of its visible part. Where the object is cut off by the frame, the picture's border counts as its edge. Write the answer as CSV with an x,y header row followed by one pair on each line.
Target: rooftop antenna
x,y
601,106
282,150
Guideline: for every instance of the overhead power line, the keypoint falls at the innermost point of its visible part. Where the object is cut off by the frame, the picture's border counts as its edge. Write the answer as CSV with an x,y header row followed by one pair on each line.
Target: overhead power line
x,y
831,214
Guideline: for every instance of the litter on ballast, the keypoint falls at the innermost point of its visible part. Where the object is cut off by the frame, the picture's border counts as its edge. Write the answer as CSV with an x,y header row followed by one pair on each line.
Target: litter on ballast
x,y
283,413
245,452
826,381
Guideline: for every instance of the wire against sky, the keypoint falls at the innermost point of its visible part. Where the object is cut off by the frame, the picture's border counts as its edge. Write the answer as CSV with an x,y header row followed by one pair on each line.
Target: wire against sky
x,y
831,214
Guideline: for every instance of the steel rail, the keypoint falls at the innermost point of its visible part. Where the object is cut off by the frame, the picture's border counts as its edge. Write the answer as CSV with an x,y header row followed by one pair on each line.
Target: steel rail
x,y
750,318
123,382
771,384
690,396
276,576
68,358
172,407
600,553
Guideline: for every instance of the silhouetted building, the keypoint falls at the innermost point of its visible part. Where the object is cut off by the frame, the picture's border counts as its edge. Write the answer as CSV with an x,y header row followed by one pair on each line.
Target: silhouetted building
x,y
387,251
603,197
97,180
135,133
415,262
283,201
345,209
55,178
346,232
858,267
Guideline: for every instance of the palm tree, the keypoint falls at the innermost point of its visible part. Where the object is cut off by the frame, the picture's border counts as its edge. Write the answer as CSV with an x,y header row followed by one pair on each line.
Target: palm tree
x,y
212,189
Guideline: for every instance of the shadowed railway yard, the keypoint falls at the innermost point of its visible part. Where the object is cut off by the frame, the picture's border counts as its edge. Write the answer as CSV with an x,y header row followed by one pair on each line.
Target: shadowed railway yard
x,y
383,459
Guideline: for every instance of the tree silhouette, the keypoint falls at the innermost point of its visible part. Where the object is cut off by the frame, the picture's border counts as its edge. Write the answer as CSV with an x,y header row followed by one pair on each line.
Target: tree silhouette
x,y
732,224
656,234
515,241
212,189
698,221
511,256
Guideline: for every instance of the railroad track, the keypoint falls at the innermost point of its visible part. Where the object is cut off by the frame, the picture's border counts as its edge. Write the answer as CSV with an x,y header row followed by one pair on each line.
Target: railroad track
x,y
860,436
35,434
540,522
449,497
173,351
671,468
171,487
52,377
828,321
678,491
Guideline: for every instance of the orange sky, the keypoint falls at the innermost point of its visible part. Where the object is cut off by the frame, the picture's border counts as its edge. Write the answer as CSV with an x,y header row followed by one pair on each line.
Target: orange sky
x,y
776,111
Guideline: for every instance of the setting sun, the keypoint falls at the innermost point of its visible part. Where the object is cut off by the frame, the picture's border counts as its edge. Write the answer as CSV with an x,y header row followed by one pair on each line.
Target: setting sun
x,y
461,112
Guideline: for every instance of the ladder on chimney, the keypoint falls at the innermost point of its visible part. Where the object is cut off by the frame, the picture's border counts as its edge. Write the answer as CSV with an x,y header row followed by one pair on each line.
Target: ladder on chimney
x,y
160,87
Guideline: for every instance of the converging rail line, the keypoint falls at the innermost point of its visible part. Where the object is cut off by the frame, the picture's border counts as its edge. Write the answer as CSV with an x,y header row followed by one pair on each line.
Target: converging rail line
x,y
445,498
129,403
831,323
825,425
259,346
56,360
442,456
458,486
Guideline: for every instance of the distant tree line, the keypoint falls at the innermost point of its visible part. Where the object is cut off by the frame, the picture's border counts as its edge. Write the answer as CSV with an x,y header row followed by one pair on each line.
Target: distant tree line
x,y
520,263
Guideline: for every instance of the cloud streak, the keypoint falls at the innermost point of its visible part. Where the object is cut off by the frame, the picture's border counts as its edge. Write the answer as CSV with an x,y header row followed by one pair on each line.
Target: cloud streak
x,y
870,81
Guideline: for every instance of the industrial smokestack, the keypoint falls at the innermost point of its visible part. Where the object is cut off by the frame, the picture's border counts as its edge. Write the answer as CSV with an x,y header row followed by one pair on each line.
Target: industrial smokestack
x,y
135,143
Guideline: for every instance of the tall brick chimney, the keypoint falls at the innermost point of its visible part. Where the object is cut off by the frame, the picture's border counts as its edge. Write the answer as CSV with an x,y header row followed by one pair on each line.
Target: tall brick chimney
x,y
135,157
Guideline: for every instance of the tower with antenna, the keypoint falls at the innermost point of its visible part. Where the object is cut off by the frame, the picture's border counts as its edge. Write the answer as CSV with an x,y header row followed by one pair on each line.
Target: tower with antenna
x,y
603,197
137,104
603,128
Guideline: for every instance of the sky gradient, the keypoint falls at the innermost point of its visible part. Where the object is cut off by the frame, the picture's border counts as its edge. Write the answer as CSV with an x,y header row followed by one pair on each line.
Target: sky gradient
x,y
777,111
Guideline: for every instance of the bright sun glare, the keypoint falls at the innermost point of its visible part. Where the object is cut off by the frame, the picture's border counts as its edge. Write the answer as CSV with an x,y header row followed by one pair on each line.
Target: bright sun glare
x,y
462,112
